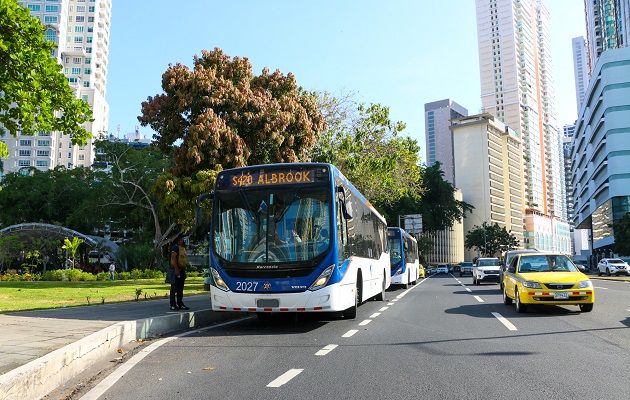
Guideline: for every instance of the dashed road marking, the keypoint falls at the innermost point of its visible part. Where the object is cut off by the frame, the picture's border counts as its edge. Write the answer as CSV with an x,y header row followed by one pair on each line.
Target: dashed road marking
x,y
504,321
284,378
350,333
326,350
365,322
479,299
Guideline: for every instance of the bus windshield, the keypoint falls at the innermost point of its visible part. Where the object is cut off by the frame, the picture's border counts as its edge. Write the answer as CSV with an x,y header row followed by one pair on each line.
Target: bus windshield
x,y
395,246
272,225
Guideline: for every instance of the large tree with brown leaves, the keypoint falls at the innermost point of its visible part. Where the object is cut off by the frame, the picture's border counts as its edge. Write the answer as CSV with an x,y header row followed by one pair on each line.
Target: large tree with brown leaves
x,y
220,113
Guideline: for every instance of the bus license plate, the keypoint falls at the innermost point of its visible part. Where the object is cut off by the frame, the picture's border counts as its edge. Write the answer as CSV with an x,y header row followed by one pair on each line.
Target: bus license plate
x,y
561,296
266,303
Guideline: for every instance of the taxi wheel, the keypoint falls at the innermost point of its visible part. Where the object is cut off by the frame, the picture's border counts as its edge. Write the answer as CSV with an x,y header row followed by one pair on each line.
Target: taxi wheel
x,y
599,272
607,271
520,307
586,307
506,299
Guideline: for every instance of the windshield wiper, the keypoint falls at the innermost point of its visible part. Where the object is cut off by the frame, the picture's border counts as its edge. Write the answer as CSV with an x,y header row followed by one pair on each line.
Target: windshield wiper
x,y
254,216
280,214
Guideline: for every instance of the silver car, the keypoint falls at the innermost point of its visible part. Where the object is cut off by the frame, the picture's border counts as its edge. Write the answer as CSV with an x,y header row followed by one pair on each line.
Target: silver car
x,y
613,266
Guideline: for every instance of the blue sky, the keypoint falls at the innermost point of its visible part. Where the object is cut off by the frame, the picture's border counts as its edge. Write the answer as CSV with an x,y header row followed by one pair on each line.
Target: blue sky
x,y
399,53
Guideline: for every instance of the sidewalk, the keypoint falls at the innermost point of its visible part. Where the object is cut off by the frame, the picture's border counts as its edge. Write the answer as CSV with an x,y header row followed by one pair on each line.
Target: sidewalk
x,y
40,350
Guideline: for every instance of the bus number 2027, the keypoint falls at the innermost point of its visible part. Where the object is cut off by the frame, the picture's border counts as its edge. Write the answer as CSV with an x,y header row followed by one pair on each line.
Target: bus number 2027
x,y
246,286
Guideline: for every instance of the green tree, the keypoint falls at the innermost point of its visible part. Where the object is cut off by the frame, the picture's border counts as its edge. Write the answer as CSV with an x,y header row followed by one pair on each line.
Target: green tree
x,y
368,148
71,246
220,113
490,240
127,192
621,228
438,206
56,196
36,95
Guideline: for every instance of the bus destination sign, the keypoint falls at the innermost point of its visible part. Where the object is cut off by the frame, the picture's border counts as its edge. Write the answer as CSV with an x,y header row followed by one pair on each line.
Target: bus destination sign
x,y
271,177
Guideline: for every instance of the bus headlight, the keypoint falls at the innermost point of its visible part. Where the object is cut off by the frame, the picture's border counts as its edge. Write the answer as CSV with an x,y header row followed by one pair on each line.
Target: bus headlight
x,y
398,271
323,278
218,281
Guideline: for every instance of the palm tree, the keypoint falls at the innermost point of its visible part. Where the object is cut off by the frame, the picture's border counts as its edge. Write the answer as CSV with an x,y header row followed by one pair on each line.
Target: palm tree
x,y
72,247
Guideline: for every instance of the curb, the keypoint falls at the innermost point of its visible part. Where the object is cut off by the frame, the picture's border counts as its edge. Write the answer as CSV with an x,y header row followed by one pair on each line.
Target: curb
x,y
41,376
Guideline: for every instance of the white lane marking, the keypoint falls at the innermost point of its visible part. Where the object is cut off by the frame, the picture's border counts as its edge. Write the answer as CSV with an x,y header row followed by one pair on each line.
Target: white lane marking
x,y
390,304
599,287
468,290
383,309
504,321
100,389
284,378
365,322
350,333
376,314
326,350
479,299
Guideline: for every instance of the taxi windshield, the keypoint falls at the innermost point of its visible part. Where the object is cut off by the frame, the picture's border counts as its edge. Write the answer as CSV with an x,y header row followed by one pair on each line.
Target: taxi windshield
x,y
546,263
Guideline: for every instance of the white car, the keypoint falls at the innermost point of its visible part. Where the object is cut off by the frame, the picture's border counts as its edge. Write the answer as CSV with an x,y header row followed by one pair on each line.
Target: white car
x,y
486,270
612,266
442,269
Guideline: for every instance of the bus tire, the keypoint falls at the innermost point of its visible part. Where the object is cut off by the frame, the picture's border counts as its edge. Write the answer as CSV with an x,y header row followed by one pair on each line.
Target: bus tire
x,y
351,313
406,285
381,296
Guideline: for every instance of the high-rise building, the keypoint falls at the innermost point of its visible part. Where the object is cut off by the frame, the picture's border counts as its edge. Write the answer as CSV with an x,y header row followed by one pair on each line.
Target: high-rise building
x,y
517,87
438,136
489,169
81,29
601,151
607,27
580,69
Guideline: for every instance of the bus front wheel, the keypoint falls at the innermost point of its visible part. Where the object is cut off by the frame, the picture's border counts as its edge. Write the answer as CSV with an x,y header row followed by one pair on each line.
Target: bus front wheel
x,y
351,313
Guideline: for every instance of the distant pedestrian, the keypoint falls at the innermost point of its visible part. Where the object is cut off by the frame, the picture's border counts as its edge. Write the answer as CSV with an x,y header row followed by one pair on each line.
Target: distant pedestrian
x,y
178,263
112,271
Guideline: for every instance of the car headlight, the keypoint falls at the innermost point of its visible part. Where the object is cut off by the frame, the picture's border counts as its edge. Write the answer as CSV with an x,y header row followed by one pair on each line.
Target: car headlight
x,y
218,281
585,284
532,285
323,278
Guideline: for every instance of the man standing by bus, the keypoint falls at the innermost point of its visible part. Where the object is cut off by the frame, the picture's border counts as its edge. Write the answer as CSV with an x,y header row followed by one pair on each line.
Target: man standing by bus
x,y
178,262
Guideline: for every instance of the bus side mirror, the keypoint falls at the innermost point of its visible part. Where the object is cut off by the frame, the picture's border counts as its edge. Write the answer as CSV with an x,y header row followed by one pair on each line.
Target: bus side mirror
x,y
345,205
199,199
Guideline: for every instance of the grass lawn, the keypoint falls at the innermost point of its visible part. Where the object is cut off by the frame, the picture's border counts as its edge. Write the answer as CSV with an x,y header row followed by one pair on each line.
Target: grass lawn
x,y
20,296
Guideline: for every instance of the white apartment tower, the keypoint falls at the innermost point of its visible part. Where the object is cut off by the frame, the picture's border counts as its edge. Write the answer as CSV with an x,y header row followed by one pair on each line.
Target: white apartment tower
x,y
517,87
581,71
607,27
81,29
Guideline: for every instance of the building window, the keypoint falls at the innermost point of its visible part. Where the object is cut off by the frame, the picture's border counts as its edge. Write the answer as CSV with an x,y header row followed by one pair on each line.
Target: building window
x,y
24,163
80,9
78,39
81,157
51,19
51,35
76,71
43,153
42,163
76,60
43,143
79,28
85,97
54,9
91,9
34,7
26,142
80,18
86,83
88,39
24,153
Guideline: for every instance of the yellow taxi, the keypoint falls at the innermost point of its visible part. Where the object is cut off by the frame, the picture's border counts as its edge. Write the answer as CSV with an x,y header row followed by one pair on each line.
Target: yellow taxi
x,y
421,272
546,279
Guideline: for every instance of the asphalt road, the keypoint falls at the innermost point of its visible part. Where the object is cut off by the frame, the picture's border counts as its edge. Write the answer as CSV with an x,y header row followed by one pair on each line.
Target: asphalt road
x,y
441,339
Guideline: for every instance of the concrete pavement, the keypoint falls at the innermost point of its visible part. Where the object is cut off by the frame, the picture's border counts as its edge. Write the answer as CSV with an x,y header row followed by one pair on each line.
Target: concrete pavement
x,y
40,350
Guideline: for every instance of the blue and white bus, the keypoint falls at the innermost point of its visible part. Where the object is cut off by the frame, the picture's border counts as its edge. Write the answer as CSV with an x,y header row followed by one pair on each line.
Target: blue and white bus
x,y
294,237
403,255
